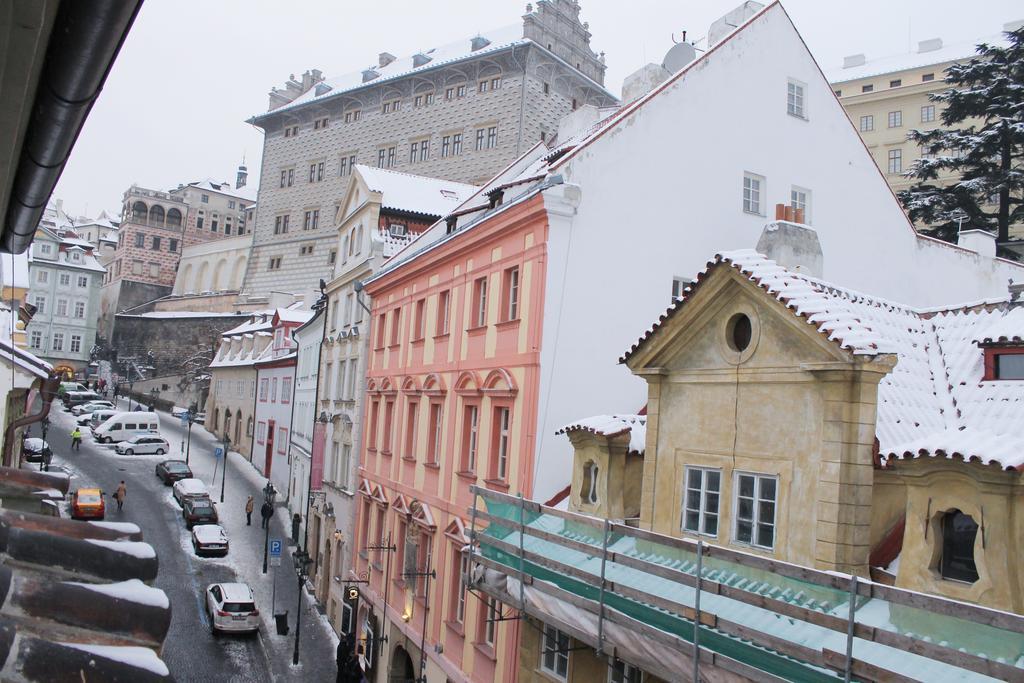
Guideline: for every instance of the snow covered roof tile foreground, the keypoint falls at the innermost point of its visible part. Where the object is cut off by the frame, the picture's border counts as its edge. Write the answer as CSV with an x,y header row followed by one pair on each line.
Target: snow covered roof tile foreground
x,y
934,402
613,425
418,194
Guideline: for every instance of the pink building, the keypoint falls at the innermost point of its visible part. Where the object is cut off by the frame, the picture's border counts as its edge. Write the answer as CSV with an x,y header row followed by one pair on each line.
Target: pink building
x,y
275,379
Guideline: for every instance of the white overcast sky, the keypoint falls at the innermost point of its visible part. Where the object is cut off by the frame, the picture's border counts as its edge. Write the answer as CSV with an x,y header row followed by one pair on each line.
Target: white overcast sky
x,y
191,71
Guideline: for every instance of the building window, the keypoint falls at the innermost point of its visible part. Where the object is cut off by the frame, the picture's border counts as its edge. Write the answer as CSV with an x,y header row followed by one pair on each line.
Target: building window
x,y
136,267
546,88
199,223
381,157
140,240
867,88
83,281
470,431
391,156
958,535
838,93
489,623
867,123
389,423
446,146
264,390
482,86
311,219
62,307
42,277
927,77
928,113
480,302
896,119
371,438
495,83
419,327
286,390
755,510
456,144
753,186
502,419
800,200
79,309
347,164
46,249
58,341
36,339
480,133
436,432
679,285
173,244
895,83
492,137
795,99
396,319
622,672
895,161
346,460
155,244
410,430
320,123
274,263
281,224
205,199
510,294
700,500
443,311
458,613
64,279
588,491
352,116
554,653
76,343
1003,365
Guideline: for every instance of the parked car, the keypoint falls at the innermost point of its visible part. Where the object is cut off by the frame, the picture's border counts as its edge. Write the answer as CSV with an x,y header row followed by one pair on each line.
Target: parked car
x,y
186,489
34,449
77,398
91,406
70,386
87,503
170,471
125,425
197,511
231,607
98,417
209,539
143,445
200,418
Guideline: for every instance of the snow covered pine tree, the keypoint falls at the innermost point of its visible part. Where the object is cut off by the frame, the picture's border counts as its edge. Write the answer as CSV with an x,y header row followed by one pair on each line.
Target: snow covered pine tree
x,y
985,157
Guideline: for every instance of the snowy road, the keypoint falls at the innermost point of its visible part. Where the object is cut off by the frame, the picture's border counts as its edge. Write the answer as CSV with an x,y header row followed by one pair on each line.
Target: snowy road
x,y
190,652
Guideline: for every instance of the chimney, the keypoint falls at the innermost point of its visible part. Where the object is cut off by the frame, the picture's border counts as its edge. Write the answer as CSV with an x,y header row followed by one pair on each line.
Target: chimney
x,y
854,60
981,242
369,75
930,45
643,80
384,58
728,23
478,43
1016,289
419,59
791,244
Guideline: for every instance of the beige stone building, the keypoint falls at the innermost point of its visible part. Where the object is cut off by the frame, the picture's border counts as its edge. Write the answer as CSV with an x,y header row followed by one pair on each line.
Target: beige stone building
x,y
887,97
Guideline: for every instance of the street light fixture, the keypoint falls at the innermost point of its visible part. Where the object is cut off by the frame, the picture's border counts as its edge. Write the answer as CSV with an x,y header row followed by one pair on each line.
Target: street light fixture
x,y
302,561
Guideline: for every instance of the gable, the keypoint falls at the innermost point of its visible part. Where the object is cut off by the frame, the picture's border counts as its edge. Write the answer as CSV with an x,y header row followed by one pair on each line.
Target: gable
x,y
356,195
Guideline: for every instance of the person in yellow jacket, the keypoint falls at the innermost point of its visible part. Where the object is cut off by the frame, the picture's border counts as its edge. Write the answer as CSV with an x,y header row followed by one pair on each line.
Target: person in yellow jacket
x,y
76,439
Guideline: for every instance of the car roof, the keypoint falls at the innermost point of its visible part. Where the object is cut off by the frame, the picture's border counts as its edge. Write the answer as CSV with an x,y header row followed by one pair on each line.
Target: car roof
x,y
236,592
168,463
209,531
191,484
88,491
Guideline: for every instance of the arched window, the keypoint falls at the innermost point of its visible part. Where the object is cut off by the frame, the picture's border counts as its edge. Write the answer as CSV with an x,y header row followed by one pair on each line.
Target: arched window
x,y
958,534
227,421
238,427
156,215
345,249
139,211
588,490
174,218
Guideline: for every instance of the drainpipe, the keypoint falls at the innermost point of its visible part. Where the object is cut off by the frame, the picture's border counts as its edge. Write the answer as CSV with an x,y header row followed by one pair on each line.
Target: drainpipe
x,y
48,392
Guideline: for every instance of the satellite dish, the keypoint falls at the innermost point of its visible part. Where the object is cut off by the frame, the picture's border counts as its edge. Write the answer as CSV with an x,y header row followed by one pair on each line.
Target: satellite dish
x,y
678,56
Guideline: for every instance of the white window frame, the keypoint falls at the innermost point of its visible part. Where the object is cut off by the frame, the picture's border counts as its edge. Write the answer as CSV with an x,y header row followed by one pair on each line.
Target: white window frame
x,y
867,123
796,98
796,203
629,672
929,111
554,653
895,118
679,285
460,604
481,302
753,197
702,510
755,520
504,423
895,161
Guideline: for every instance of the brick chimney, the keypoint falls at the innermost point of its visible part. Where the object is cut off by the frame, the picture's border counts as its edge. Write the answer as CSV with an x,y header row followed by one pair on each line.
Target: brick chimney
x,y
791,243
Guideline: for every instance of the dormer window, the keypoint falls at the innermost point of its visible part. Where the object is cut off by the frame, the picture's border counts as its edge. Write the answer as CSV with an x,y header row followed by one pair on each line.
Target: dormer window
x,y
588,491
1004,363
958,535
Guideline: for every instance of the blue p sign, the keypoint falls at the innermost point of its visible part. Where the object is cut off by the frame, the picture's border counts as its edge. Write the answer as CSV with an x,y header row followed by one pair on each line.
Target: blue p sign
x,y
218,452
275,548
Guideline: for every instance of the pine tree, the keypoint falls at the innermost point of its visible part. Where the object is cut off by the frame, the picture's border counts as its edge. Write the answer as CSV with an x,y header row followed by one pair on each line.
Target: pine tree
x,y
985,151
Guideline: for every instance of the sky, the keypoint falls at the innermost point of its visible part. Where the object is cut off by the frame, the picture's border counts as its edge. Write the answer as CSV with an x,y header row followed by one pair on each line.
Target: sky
x,y
191,72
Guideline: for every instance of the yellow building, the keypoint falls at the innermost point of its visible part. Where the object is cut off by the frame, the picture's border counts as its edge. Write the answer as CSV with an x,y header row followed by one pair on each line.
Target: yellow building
x,y
887,97
816,443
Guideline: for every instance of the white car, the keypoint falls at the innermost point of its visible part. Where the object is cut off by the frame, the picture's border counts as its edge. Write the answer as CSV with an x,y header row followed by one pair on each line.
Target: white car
x,y
91,406
209,539
231,607
142,445
189,488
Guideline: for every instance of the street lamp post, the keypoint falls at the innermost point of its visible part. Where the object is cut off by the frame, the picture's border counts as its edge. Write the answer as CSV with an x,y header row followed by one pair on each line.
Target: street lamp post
x,y
188,447
302,562
269,494
224,473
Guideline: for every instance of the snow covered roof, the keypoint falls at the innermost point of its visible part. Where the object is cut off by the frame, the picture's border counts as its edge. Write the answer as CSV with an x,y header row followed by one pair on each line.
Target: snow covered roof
x,y
613,425
913,60
10,353
934,401
500,39
210,185
418,194
184,314
294,315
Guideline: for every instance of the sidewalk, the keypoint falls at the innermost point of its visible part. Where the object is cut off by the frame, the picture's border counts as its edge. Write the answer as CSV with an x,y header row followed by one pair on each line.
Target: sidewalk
x,y
318,642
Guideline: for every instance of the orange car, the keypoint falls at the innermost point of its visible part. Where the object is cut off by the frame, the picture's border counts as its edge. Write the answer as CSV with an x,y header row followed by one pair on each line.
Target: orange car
x,y
87,504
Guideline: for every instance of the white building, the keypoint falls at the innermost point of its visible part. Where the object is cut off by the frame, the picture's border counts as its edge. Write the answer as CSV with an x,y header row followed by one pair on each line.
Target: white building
x,y
308,338
637,199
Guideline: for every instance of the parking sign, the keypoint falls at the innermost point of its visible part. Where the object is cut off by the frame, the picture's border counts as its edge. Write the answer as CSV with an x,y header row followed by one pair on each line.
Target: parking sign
x,y
275,553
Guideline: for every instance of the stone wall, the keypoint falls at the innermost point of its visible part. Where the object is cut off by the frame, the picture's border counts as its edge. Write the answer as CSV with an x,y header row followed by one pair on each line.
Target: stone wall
x,y
173,340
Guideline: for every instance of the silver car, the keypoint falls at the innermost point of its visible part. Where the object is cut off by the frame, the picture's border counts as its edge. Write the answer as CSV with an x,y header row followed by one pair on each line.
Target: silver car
x,y
142,445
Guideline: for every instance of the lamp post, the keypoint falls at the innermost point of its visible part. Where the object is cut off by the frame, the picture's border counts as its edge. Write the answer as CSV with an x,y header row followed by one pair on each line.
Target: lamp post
x,y
302,562
188,447
224,474
269,494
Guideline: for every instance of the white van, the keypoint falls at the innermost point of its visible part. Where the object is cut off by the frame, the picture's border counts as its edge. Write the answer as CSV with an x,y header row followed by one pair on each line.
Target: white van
x,y
123,426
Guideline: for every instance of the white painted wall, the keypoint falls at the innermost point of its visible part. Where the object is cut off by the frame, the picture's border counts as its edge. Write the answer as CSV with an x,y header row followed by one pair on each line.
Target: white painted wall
x,y
308,340
662,193
276,409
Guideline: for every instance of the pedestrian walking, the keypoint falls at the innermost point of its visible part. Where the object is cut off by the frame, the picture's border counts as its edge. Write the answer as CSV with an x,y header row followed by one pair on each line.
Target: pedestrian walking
x,y
296,523
249,504
47,457
120,494
266,511
76,439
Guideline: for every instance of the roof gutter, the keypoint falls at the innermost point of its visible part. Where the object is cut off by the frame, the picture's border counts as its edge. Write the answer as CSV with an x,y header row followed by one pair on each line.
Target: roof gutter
x,y
86,37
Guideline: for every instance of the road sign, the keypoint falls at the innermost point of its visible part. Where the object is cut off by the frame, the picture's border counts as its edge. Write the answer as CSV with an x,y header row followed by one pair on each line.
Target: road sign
x,y
275,561
218,452
184,418
275,553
